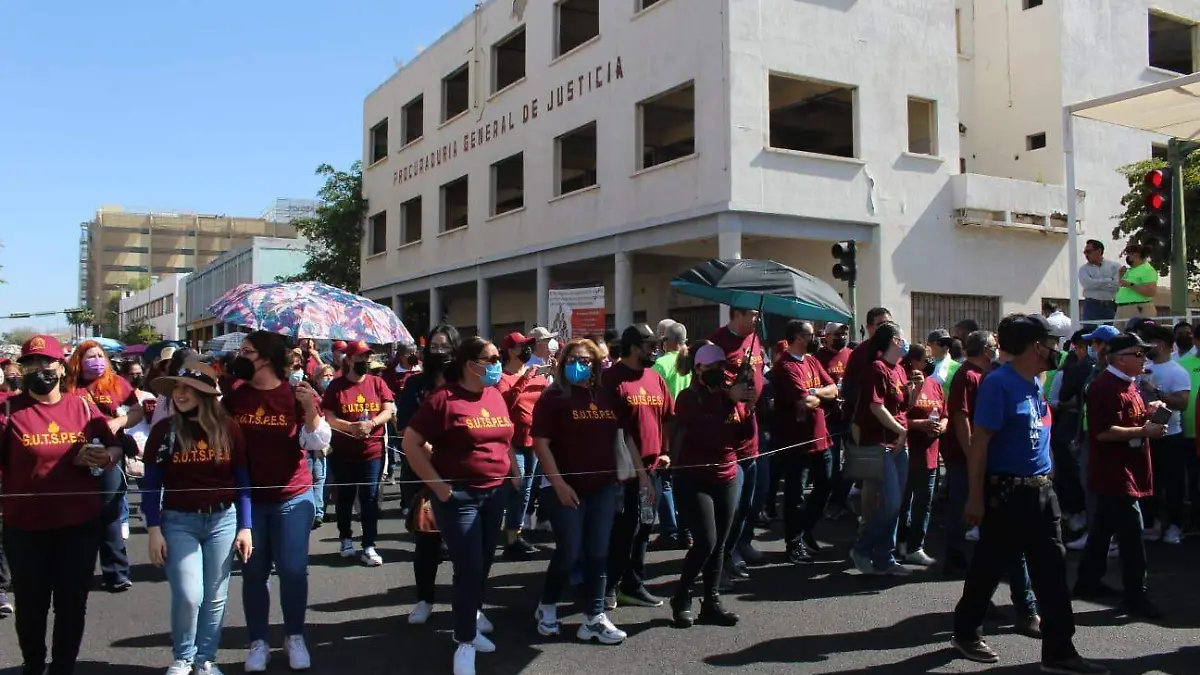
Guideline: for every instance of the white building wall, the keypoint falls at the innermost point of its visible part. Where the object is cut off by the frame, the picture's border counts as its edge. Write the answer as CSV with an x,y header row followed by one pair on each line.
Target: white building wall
x,y
167,323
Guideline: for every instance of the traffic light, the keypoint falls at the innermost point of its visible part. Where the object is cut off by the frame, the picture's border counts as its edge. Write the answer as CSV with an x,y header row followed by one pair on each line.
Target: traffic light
x,y
1156,226
846,253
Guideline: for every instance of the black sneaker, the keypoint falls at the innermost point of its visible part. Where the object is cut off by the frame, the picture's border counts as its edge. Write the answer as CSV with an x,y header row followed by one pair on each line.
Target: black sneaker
x,y
736,571
811,542
1142,608
1076,665
1098,591
713,613
1029,625
317,523
681,611
975,650
119,586
639,598
798,553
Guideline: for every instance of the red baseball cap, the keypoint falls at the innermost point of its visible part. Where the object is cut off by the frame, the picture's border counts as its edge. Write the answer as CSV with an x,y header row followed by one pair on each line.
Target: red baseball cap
x,y
42,345
339,346
355,348
513,340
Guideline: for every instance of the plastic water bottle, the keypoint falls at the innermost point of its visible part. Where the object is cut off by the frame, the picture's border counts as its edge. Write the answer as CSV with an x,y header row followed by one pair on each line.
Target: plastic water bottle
x,y
96,471
934,415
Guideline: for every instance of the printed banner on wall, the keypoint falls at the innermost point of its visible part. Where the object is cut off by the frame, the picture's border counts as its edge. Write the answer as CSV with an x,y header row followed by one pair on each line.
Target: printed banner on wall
x,y
575,312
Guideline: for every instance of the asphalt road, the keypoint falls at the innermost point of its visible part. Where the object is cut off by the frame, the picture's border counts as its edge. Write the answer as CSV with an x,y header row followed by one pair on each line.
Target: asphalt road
x,y
822,618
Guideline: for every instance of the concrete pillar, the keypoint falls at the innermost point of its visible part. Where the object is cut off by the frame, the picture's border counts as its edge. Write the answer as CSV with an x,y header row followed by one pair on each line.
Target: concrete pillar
x,y
435,306
543,295
623,291
483,308
729,247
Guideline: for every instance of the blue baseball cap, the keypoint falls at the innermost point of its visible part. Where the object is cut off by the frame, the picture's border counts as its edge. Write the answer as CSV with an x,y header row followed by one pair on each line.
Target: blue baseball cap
x,y
1102,334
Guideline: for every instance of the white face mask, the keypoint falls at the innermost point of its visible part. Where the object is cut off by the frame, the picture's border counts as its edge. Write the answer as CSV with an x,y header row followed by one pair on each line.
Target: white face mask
x,y
552,346
400,368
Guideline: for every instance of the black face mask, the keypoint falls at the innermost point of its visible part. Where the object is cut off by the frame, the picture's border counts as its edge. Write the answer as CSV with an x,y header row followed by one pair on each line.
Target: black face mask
x,y
412,360
838,344
436,361
41,383
526,354
137,380
242,368
14,383
1129,261
1152,354
813,347
713,379
1053,357
1184,344
928,367
360,368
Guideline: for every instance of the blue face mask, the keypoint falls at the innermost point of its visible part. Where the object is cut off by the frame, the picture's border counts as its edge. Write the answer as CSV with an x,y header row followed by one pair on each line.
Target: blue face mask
x,y
296,377
491,374
1092,353
577,372
326,382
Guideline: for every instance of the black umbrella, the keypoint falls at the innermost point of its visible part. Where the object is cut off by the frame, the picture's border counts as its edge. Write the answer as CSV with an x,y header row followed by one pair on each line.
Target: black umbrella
x,y
764,285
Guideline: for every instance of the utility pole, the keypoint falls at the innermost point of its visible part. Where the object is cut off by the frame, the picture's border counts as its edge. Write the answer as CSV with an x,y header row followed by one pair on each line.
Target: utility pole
x,y
1177,151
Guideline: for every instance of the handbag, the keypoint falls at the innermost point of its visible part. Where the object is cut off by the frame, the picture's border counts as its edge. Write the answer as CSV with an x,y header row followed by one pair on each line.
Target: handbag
x,y
864,462
420,517
625,468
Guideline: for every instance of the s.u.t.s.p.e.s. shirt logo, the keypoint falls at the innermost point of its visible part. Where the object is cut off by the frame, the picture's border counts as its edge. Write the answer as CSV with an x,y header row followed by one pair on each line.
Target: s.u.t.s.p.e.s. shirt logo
x,y
360,405
486,420
642,397
593,412
200,453
260,418
53,436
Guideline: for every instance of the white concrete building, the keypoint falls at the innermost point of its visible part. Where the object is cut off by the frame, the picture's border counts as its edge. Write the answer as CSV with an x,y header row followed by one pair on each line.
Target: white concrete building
x,y
161,306
618,143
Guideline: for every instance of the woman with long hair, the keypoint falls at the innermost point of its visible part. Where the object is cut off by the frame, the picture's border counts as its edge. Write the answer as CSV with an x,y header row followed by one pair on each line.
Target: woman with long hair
x,y
282,424
460,444
90,374
195,532
575,425
318,460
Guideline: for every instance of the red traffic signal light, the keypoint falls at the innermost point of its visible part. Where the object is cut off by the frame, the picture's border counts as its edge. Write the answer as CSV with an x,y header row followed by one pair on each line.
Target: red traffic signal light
x,y
1157,201
1159,179
847,267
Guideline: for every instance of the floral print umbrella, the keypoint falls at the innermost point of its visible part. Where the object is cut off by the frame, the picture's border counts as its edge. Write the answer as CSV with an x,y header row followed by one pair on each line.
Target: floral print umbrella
x,y
310,309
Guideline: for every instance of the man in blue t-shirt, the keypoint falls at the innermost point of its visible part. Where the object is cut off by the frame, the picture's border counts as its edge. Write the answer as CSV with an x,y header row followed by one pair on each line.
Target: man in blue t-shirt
x,y
1012,499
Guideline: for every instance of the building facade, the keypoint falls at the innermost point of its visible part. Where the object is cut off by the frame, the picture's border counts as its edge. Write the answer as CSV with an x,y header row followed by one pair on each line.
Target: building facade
x,y
616,144
160,306
261,260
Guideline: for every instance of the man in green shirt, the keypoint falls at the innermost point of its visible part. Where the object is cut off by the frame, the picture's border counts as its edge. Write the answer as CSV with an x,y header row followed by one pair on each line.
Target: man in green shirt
x,y
674,339
1139,283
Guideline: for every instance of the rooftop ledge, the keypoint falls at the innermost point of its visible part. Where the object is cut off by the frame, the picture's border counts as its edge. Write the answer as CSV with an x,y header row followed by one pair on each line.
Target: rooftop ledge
x,y
1004,203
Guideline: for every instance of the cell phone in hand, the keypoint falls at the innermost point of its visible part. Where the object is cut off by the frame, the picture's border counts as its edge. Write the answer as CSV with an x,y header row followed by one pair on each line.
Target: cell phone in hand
x,y
1161,416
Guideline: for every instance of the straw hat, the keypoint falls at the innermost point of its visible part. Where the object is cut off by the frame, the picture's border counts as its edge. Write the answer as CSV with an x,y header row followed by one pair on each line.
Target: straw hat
x,y
194,373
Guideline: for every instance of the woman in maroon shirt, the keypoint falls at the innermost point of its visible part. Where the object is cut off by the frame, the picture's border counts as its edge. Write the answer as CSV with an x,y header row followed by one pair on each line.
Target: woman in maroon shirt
x,y
710,426
521,385
460,444
927,420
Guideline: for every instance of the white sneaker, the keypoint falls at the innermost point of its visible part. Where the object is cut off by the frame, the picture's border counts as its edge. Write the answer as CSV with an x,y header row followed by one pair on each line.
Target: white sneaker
x,y
347,550
920,557
544,526
527,522
1153,533
258,658
972,534
420,612
1114,551
861,562
180,668
1078,522
207,668
1173,535
370,557
481,644
547,620
1078,544
125,531
482,624
895,570
600,628
464,659
297,651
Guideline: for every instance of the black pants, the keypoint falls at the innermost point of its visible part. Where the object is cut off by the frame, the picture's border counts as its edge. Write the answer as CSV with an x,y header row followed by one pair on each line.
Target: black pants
x,y
114,559
5,576
52,568
708,509
628,543
427,558
1021,519
1120,516
1171,455
801,515
1068,483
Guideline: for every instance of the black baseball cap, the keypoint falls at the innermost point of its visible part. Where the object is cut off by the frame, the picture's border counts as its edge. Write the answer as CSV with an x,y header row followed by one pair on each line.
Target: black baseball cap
x,y
1018,331
1151,332
1125,341
637,335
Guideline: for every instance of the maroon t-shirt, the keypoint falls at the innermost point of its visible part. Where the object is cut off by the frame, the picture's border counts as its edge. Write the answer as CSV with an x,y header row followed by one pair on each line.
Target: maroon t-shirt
x,y
735,348
203,473
350,402
271,421
1117,468
714,428
521,393
886,385
646,402
964,387
108,403
470,433
835,363
581,428
795,423
395,381
923,448
39,443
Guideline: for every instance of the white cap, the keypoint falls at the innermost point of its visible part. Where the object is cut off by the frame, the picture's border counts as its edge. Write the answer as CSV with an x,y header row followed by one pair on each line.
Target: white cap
x,y
709,354
540,333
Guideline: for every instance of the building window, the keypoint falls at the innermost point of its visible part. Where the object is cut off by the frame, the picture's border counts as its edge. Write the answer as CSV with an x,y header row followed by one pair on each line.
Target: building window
x,y
962,164
931,311
379,141
811,116
454,204
668,126
508,60
1170,44
377,226
576,154
645,4
508,184
412,120
1158,151
1030,4
410,221
456,93
1035,141
958,31
922,126
578,22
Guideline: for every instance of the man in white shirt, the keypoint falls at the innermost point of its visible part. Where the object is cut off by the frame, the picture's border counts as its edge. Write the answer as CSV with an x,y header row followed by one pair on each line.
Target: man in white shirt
x,y
1100,280
1167,381
1060,324
938,345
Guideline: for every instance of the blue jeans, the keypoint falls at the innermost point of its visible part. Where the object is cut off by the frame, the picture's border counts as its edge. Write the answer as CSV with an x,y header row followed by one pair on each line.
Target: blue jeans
x,y
470,524
199,560
581,533
358,479
668,521
318,464
743,519
281,532
1098,310
518,498
839,487
918,495
878,539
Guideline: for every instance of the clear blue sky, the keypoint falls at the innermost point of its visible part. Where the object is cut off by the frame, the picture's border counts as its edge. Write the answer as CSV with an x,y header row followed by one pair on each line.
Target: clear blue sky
x,y
215,107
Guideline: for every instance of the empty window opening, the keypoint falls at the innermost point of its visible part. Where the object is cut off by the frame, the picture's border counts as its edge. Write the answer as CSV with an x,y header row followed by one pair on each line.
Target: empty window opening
x,y
412,120
1030,4
922,126
379,141
645,4
958,30
456,93
1158,151
508,184
455,196
812,116
668,126
1170,44
576,152
578,22
508,60
410,221
378,227
1035,141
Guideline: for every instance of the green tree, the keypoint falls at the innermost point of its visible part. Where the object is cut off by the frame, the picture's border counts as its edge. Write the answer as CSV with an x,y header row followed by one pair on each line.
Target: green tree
x,y
110,320
335,235
82,321
140,333
19,335
1129,225
140,283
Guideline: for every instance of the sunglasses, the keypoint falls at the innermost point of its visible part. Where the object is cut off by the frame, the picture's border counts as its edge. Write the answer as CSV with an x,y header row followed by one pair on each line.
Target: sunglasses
x,y
585,360
492,360
1138,354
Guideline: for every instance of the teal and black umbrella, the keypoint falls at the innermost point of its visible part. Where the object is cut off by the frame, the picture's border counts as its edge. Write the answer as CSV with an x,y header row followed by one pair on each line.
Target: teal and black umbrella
x,y
766,286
